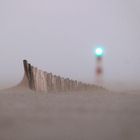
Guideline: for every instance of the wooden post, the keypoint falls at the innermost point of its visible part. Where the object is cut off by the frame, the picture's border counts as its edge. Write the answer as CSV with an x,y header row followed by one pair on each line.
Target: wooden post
x,y
70,85
75,85
59,83
49,81
30,76
68,82
26,71
62,84
35,78
45,75
44,83
25,64
54,82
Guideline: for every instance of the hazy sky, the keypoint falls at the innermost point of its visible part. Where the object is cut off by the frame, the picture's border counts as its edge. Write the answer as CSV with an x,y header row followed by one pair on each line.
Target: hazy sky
x,y
58,36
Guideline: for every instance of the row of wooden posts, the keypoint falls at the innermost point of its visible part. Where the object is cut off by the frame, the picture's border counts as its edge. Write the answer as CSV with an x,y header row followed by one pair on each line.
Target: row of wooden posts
x,y
41,81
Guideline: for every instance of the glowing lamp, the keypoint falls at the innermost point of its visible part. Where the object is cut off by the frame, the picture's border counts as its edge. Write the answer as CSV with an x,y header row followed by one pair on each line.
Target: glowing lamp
x,y
99,52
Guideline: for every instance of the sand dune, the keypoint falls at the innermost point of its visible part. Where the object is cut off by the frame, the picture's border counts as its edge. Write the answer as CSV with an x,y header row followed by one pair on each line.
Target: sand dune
x,y
94,115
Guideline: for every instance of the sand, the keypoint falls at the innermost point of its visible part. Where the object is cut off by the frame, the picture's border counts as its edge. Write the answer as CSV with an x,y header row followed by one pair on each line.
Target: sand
x,y
87,115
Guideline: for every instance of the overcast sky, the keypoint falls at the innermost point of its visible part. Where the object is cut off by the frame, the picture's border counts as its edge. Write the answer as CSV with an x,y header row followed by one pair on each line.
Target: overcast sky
x,y
59,35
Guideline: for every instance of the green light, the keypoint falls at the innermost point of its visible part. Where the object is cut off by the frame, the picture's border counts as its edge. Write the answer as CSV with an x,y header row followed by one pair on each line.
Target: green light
x,y
99,52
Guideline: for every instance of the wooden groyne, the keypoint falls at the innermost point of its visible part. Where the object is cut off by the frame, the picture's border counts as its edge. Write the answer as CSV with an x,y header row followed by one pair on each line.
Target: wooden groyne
x,y
42,81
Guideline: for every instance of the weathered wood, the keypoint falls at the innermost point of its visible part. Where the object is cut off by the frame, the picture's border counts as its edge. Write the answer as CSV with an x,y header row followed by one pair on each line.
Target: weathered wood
x,y
41,84
49,81
75,85
62,84
67,84
35,79
26,70
25,64
44,82
41,81
58,83
45,74
30,76
54,88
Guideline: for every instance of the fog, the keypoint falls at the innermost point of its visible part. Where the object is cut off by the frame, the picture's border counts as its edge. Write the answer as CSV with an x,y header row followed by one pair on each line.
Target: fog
x,y
58,36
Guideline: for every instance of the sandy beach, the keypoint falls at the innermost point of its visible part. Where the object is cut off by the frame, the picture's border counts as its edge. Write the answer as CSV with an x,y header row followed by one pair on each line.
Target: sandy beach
x,y
94,115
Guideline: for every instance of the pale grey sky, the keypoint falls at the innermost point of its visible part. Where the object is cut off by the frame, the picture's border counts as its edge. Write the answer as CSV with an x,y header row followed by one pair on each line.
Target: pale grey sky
x,y
58,36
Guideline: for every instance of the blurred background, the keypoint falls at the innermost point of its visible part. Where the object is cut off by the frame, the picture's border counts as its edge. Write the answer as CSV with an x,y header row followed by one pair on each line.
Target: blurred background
x,y
59,36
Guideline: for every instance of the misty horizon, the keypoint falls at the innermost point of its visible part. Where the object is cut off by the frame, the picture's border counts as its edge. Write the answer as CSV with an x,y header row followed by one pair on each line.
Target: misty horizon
x,y
59,37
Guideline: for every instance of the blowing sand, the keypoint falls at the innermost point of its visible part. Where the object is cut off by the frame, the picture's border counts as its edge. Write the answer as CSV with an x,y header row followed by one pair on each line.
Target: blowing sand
x,y
96,115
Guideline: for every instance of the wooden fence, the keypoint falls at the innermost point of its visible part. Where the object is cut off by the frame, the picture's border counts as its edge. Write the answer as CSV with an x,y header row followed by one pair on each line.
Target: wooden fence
x,y
42,81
